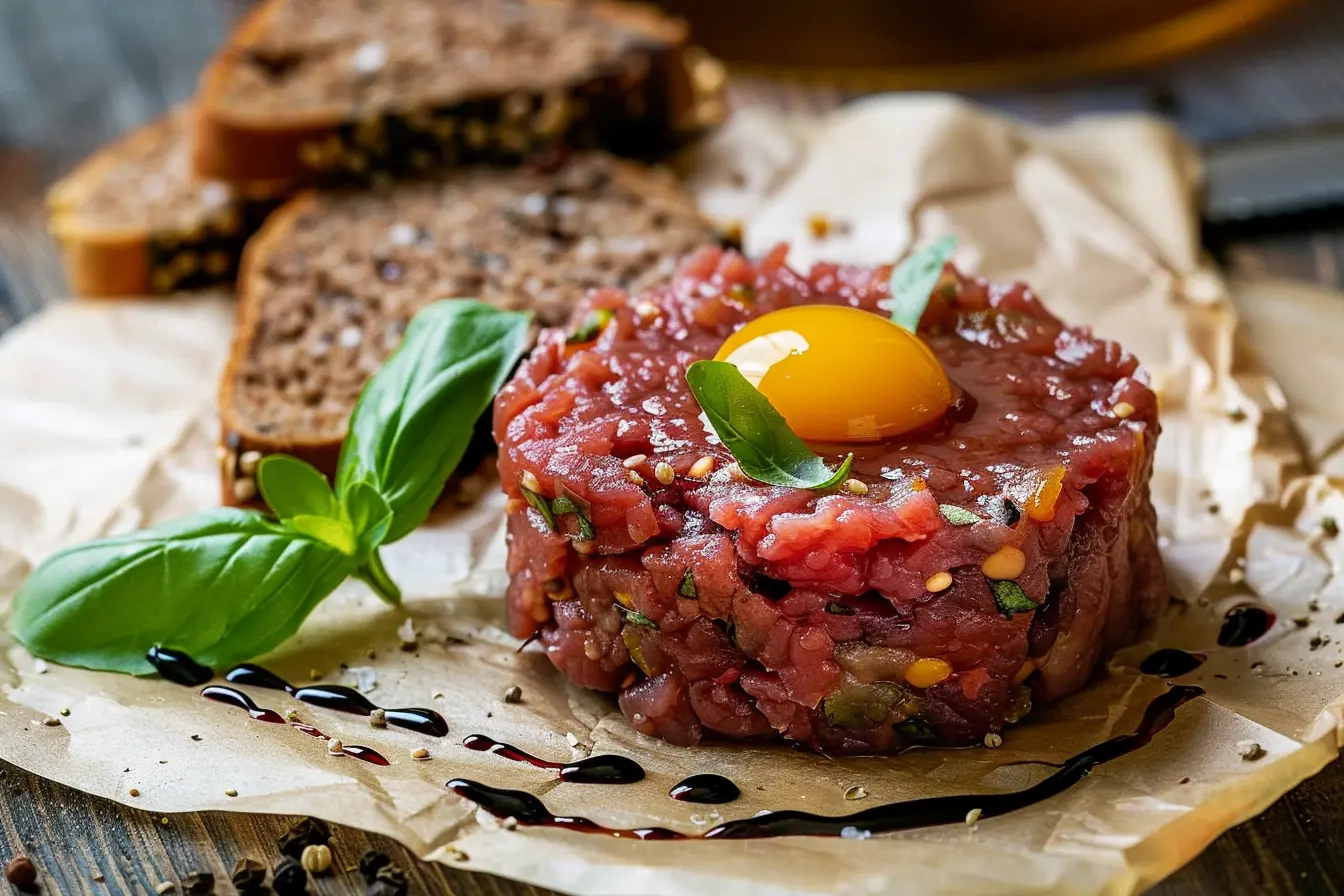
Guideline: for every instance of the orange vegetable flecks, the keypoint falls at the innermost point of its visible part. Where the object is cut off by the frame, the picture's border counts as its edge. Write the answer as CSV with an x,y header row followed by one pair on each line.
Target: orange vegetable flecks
x,y
1040,505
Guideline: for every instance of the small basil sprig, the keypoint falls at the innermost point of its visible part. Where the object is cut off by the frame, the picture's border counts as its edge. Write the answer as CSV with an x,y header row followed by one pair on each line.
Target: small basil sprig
x,y
227,585
913,280
759,438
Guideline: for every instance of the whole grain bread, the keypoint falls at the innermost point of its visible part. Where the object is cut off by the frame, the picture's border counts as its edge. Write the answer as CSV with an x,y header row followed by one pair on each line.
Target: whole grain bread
x,y
327,287
132,220
331,90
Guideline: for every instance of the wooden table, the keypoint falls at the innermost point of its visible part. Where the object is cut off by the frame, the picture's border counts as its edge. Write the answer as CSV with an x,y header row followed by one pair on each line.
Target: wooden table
x,y
75,72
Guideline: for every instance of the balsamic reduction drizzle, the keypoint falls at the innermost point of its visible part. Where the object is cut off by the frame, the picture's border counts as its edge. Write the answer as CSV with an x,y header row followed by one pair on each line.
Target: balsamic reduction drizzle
x,y
529,810
608,769
340,698
234,697
1170,662
1245,624
177,667
705,789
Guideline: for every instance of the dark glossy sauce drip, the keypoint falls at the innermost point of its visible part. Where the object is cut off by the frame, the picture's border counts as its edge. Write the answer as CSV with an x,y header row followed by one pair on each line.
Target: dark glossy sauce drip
x,y
1169,662
340,698
367,754
221,694
177,667
593,770
257,677
705,789
528,810
1243,625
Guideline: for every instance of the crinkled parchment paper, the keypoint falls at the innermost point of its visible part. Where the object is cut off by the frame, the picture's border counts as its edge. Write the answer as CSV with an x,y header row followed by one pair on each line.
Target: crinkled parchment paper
x,y
106,424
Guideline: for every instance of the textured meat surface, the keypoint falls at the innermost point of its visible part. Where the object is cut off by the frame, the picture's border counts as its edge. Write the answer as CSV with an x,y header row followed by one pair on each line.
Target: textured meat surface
x,y
717,604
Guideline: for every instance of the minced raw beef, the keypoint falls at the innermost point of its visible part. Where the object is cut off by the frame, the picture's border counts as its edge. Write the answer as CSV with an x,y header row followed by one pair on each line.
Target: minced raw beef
x,y
715,604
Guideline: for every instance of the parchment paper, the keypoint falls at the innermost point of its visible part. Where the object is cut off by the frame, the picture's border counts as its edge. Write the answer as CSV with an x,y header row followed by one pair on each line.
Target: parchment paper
x,y
106,423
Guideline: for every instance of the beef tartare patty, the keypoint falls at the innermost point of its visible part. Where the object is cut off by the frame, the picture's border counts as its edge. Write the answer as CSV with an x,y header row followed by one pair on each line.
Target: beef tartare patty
x,y
961,573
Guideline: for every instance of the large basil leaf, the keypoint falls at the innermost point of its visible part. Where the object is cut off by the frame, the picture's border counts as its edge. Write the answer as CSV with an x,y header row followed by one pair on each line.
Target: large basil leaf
x,y
913,280
760,439
414,419
224,586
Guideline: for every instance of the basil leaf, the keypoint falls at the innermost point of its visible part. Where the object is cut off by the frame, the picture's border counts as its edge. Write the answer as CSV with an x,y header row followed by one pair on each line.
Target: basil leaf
x,y
913,280
591,327
369,516
759,438
540,505
1010,598
224,586
335,533
634,617
293,488
687,586
415,417
957,516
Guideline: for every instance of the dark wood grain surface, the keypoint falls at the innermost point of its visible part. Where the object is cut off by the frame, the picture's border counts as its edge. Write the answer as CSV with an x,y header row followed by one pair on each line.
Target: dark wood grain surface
x,y
73,73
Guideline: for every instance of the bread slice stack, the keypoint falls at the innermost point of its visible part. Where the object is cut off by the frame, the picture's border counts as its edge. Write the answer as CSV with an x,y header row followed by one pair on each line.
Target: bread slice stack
x,y
423,149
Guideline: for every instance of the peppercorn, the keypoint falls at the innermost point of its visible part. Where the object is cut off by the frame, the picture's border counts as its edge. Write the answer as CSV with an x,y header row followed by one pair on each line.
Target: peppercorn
x,y
304,832
289,878
371,862
198,883
21,872
390,881
249,876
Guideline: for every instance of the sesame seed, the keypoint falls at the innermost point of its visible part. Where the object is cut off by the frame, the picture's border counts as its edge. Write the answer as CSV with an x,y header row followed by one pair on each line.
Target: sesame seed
x,y
972,817
230,792
856,792
244,489
1123,409
664,473
939,581
419,753
993,741
634,478
701,468
856,487
634,460
1006,563
530,481
248,461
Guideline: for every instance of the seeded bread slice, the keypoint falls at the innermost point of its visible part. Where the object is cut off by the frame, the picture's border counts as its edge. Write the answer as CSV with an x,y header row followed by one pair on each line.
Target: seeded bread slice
x,y
332,90
328,285
131,220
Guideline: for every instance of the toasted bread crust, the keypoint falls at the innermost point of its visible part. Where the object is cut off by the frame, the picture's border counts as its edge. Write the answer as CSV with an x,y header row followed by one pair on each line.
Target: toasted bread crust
x,y
637,107
103,261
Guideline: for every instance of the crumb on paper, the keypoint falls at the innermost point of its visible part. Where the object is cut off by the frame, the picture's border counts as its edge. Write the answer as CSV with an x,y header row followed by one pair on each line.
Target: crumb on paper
x,y
993,740
164,886
514,694
335,747
230,792
857,792
458,855
292,715
419,753
1250,750
509,824
406,632
40,666
365,678
972,817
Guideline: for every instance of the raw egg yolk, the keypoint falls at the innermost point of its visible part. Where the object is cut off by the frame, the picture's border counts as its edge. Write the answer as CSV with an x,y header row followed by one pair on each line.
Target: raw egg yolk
x,y
840,374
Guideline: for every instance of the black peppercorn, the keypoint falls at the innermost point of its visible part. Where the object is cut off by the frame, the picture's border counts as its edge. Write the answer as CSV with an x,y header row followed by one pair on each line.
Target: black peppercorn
x,y
389,881
198,883
289,878
249,876
371,862
304,832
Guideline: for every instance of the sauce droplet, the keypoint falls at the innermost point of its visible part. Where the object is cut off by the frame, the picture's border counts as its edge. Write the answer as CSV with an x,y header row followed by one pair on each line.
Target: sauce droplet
x,y
221,694
257,677
177,667
607,769
1245,624
1170,662
705,789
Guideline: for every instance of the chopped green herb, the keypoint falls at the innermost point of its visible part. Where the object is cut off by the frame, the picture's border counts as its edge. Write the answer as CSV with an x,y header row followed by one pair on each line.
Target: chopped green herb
x,y
916,728
836,609
687,586
1011,598
957,516
913,280
762,443
540,505
568,504
635,617
1330,526
592,325
742,292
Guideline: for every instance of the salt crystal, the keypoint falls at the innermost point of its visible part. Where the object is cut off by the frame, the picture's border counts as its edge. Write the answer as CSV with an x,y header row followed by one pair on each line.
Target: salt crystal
x,y
369,57
351,336
534,204
402,234
849,832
